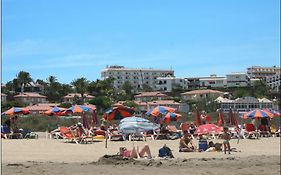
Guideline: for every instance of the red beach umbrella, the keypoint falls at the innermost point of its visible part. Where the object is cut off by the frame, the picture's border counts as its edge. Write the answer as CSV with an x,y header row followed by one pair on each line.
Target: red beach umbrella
x,y
208,129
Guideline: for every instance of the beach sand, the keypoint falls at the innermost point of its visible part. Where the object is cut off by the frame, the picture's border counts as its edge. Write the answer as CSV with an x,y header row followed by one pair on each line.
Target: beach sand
x,y
48,156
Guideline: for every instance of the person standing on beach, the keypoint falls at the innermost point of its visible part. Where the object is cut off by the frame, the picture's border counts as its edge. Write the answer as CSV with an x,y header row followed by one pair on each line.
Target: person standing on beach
x,y
226,136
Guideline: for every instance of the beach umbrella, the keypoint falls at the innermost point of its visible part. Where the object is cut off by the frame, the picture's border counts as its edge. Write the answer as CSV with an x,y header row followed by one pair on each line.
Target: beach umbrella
x,y
132,125
118,113
208,129
161,110
55,111
171,116
16,110
79,109
221,120
274,112
197,119
232,119
257,113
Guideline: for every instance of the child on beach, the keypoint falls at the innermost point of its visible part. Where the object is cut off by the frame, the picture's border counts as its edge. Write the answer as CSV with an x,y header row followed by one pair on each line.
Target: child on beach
x,y
226,136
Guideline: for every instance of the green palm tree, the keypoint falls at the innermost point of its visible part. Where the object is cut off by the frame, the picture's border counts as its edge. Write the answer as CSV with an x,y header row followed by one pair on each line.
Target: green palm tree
x,y
24,78
81,86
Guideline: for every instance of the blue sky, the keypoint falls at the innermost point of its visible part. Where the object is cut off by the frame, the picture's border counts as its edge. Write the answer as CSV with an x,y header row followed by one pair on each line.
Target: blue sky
x,y
70,39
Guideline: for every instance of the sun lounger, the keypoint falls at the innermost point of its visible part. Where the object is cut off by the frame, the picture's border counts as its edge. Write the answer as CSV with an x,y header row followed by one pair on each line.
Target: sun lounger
x,y
263,131
68,135
250,131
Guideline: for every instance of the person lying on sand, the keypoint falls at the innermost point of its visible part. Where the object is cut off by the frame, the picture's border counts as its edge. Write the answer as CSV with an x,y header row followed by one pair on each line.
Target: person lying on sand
x,y
135,152
186,143
212,147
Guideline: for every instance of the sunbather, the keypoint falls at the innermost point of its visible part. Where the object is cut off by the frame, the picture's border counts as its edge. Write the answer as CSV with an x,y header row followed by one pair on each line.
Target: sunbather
x,y
214,147
135,152
186,143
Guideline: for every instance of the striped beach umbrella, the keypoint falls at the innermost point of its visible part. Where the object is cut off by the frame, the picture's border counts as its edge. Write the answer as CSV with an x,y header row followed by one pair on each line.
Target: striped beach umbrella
x,y
79,109
171,116
133,125
118,113
161,110
16,110
55,111
274,112
257,113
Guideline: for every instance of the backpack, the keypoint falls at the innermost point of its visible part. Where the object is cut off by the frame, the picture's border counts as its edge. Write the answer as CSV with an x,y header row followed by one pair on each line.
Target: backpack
x,y
165,152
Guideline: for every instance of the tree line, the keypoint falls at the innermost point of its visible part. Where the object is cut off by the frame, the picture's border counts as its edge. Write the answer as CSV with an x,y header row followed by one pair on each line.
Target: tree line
x,y
106,94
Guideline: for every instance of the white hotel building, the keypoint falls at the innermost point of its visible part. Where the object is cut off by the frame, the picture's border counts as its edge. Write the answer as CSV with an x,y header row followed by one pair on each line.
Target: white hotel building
x,y
274,81
167,84
213,81
137,77
238,79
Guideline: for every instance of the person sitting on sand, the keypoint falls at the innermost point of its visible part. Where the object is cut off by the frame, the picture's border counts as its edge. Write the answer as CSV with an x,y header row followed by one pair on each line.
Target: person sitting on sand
x,y
135,153
186,143
226,136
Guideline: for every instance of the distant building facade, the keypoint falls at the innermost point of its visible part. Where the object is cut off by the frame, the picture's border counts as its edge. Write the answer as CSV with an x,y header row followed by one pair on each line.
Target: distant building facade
x,y
167,84
238,79
31,98
137,77
150,96
70,97
197,95
244,104
262,72
273,81
40,108
213,81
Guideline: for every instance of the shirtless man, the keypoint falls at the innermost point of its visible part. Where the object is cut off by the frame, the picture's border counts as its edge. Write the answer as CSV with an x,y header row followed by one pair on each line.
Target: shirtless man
x,y
186,144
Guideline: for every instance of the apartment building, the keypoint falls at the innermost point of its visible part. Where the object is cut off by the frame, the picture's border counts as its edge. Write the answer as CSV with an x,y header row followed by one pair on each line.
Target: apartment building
x,y
213,81
167,84
262,72
136,76
274,81
237,79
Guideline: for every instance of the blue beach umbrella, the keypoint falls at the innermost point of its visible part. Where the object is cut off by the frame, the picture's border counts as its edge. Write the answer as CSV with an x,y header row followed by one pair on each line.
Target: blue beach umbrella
x,y
133,125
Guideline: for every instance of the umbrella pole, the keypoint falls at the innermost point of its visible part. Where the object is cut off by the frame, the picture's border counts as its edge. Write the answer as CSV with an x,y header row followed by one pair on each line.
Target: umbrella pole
x,y
106,132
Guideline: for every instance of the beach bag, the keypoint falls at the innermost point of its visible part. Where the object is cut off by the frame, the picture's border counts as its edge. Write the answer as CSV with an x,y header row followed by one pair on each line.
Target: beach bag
x,y
165,152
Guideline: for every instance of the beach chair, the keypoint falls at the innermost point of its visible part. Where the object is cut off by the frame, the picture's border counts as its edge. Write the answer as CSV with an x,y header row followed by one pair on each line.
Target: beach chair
x,y
250,131
115,135
150,134
137,137
68,135
263,131
173,132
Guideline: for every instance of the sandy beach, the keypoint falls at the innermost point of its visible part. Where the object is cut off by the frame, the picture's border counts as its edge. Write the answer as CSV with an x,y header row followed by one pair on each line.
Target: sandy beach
x,y
49,156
